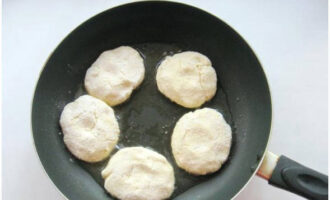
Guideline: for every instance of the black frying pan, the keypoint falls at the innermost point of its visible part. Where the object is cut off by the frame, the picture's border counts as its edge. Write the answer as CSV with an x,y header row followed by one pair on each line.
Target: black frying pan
x,y
157,29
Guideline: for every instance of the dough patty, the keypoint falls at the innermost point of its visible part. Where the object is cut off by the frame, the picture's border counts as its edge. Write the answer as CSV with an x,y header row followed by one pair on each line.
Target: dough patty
x,y
187,78
115,74
90,128
201,141
137,173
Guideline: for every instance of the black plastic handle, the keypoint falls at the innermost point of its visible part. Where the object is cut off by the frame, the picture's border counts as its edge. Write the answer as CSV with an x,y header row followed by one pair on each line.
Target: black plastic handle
x,y
299,179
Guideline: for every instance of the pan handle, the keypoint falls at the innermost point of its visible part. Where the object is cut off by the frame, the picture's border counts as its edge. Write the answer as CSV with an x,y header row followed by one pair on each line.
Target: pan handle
x,y
287,174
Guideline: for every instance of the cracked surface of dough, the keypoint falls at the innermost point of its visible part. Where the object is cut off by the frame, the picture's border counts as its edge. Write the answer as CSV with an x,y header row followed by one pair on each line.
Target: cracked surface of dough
x,y
201,141
90,128
115,74
137,173
187,78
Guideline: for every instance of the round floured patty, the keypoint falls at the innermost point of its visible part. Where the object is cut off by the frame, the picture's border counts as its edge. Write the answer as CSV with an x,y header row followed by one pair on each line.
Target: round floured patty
x,y
115,74
90,128
187,78
201,141
137,173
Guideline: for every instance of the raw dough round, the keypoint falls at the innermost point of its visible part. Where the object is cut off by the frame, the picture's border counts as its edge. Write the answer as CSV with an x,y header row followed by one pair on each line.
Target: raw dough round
x,y
90,128
115,74
187,78
137,173
201,141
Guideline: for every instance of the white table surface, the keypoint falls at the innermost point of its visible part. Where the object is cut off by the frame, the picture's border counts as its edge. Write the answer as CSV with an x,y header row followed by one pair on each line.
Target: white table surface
x,y
288,36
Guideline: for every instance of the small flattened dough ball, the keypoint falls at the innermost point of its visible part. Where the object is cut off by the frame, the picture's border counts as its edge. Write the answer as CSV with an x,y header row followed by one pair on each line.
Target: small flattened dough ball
x,y
137,173
201,141
90,128
187,78
115,74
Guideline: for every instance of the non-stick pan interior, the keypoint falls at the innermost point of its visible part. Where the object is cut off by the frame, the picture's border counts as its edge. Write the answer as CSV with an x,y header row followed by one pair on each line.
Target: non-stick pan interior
x,y
155,29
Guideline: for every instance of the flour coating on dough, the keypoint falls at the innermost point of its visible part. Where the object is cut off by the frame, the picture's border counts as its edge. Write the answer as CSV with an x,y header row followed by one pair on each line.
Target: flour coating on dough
x,y
137,173
187,78
201,141
115,74
90,128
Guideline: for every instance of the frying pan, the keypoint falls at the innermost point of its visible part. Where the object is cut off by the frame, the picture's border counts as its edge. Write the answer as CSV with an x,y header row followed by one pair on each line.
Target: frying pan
x,y
157,29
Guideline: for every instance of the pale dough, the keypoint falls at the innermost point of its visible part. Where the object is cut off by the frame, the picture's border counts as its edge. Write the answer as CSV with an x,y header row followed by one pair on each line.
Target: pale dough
x,y
90,128
115,74
187,78
137,173
201,141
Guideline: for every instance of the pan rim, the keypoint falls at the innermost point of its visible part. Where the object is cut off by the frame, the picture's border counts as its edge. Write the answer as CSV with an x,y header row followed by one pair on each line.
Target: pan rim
x,y
153,2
